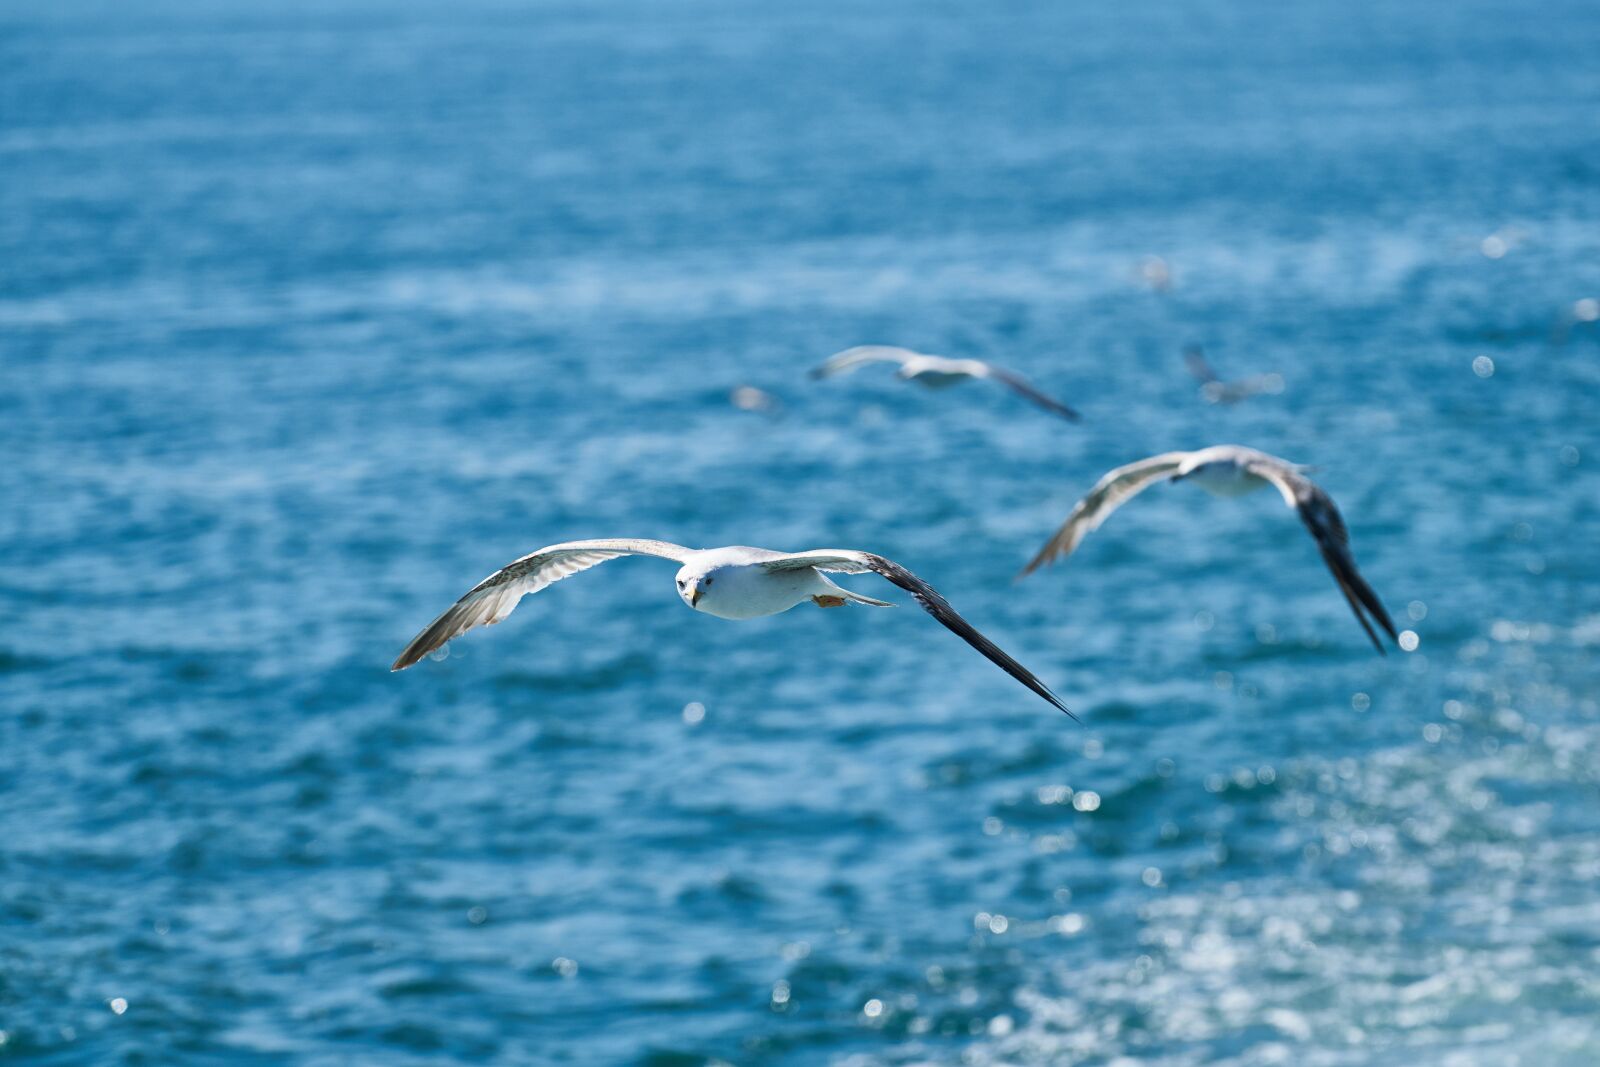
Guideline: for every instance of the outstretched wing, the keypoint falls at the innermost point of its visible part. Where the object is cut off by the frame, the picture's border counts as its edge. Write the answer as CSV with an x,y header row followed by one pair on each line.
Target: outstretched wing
x,y
1326,525
848,561
1108,494
494,598
1021,386
851,358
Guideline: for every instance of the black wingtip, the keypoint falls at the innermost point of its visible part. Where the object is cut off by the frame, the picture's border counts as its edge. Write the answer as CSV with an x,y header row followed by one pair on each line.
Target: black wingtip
x,y
1048,403
937,606
1358,595
425,642
1048,694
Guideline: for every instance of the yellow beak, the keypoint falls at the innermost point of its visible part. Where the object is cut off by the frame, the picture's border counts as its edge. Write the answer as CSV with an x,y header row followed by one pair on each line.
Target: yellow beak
x,y
694,594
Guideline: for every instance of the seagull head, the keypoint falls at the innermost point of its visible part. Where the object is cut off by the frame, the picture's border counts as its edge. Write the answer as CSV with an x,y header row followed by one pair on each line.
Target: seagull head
x,y
1199,466
694,583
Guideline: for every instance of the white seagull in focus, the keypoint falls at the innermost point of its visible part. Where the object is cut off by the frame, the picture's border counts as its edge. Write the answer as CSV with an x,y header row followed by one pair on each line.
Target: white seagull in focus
x,y
937,372
1229,470
731,583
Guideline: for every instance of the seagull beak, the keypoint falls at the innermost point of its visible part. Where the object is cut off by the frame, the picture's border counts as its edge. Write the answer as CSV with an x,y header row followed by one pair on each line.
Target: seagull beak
x,y
695,593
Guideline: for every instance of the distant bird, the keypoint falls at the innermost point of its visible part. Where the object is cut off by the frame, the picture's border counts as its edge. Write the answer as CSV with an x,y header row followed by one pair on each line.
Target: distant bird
x,y
937,371
731,583
1156,272
750,398
1229,470
1217,391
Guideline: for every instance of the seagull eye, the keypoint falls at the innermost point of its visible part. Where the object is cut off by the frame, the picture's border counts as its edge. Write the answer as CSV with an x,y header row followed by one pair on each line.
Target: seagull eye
x,y
708,581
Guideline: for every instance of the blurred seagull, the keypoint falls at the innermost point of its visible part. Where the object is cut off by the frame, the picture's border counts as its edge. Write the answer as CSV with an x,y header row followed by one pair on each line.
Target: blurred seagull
x,y
937,372
731,583
1229,470
1217,391
750,398
1156,272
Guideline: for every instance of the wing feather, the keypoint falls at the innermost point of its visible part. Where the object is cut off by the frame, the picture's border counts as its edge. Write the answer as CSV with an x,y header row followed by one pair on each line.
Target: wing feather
x,y
1022,387
849,561
492,599
1326,526
851,358
1109,493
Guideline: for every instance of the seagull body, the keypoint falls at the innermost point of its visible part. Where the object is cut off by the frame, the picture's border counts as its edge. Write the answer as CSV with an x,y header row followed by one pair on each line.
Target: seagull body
x,y
1229,471
937,372
735,582
731,583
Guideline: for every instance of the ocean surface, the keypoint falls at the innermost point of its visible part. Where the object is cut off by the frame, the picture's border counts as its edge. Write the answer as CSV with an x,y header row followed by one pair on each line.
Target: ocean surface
x,y
313,314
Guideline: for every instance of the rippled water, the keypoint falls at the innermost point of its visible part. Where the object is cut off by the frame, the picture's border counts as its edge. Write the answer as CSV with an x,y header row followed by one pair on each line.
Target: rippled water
x,y
310,316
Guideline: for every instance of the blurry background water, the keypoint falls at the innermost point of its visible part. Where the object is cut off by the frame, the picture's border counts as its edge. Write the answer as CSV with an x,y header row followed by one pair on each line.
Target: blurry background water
x,y
313,314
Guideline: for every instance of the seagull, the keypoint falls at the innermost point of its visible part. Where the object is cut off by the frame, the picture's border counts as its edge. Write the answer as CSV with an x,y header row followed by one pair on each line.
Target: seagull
x,y
1217,391
750,398
735,582
1156,273
1229,470
937,372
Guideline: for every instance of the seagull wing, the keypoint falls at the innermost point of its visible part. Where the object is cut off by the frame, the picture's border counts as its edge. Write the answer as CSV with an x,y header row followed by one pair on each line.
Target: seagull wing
x,y
851,358
1326,525
1195,358
1020,385
1108,494
847,561
494,598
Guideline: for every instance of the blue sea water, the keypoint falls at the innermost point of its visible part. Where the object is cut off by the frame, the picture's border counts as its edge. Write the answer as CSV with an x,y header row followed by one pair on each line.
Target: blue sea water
x,y
313,314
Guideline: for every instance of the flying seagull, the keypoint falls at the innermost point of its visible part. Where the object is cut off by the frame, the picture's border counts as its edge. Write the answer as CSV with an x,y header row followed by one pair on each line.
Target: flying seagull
x,y
1229,470
937,372
731,583
750,398
1217,391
